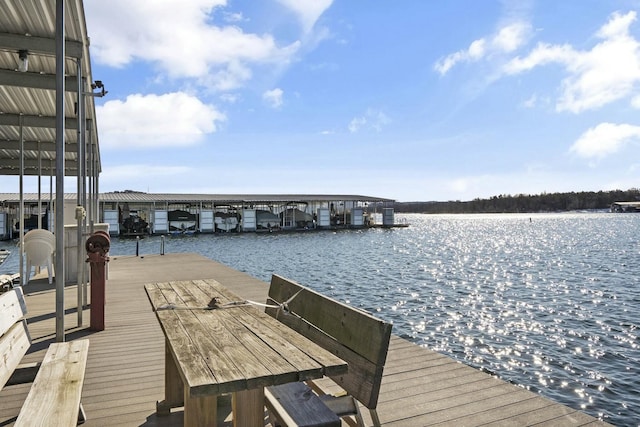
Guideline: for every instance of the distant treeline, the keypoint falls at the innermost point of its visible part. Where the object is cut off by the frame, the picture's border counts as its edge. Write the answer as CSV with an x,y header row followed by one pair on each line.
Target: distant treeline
x,y
555,202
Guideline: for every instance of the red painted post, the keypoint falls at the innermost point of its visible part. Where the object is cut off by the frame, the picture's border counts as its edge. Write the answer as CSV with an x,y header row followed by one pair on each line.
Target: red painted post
x,y
97,247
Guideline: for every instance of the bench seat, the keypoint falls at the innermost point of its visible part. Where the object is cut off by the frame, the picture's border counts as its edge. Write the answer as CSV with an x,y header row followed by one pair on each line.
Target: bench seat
x,y
295,404
56,391
54,396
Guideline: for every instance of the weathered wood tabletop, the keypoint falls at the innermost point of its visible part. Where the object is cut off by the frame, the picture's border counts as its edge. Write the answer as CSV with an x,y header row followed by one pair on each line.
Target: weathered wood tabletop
x,y
218,343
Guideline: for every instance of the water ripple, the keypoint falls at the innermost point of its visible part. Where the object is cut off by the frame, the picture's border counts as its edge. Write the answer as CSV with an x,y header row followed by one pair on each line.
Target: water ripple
x,y
548,302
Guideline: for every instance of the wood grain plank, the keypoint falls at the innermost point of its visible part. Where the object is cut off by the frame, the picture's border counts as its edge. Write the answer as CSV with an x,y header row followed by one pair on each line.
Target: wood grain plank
x,y
239,345
13,346
334,326
12,307
245,325
343,322
187,345
54,398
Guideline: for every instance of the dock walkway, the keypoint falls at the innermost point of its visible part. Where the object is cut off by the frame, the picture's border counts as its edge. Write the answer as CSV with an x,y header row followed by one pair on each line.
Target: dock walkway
x,y
125,368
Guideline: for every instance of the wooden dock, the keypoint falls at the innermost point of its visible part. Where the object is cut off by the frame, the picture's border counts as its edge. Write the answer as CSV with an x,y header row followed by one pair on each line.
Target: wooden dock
x,y
125,368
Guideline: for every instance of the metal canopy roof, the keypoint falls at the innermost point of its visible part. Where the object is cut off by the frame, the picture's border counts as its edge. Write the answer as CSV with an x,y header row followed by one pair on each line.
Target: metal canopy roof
x,y
135,197
43,44
28,98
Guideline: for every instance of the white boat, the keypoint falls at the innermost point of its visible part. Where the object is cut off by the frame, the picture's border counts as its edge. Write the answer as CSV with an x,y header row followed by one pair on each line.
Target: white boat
x,y
226,221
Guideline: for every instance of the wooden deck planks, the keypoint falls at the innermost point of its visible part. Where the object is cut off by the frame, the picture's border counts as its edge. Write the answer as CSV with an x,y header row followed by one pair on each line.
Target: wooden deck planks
x,y
125,367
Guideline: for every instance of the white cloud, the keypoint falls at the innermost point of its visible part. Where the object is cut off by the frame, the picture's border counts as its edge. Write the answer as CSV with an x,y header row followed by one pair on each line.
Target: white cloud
x,y
233,17
378,119
477,49
356,123
232,77
618,25
605,139
542,54
273,97
608,72
372,119
509,38
308,11
144,121
531,102
445,64
230,98
506,40
179,38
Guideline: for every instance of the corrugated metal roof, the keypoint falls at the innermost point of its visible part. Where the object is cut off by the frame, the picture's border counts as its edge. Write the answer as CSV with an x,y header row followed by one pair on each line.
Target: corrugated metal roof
x,y
29,97
233,198
132,197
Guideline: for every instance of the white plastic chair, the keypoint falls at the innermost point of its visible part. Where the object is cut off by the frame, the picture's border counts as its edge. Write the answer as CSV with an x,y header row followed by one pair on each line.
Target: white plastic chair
x,y
39,246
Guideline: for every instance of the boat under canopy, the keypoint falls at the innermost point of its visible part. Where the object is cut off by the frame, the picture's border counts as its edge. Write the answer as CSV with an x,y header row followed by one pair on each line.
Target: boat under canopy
x,y
267,220
182,222
296,218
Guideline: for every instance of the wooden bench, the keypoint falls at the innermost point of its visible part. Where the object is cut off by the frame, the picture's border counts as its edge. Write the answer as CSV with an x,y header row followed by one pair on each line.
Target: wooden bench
x,y
54,396
351,334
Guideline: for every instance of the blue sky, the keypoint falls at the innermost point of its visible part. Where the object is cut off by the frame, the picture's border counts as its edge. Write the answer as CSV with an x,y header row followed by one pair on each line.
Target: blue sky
x,y
410,99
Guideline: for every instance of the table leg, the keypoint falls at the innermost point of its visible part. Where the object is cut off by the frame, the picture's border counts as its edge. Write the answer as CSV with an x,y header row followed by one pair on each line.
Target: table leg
x,y
248,407
173,387
200,411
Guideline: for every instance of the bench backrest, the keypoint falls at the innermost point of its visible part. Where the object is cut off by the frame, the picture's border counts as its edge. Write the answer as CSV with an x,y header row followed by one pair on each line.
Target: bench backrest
x,y
14,336
355,336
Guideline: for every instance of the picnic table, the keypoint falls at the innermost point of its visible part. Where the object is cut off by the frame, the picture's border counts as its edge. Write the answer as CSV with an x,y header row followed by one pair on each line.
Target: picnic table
x,y
217,342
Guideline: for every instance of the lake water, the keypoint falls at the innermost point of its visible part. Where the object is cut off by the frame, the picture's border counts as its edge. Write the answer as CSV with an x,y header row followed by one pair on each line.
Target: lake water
x,y
546,301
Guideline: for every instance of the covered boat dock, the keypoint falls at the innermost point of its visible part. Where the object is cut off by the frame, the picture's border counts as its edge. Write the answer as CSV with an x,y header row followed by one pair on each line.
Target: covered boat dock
x,y
625,207
220,213
130,213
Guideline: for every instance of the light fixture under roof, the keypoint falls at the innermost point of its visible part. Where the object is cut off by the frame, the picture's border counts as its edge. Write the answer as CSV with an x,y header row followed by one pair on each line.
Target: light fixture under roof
x,y
97,85
23,63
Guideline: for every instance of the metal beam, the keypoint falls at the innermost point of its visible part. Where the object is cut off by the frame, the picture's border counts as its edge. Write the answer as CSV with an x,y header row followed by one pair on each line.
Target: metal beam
x,y
45,146
34,172
80,284
9,164
9,119
60,124
41,45
36,80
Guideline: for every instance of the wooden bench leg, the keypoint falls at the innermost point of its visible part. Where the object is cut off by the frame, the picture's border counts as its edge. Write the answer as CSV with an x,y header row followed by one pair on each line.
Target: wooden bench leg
x,y
248,407
173,387
374,417
200,411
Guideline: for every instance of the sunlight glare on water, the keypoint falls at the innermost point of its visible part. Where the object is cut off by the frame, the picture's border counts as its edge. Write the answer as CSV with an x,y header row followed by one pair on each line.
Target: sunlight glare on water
x,y
546,301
